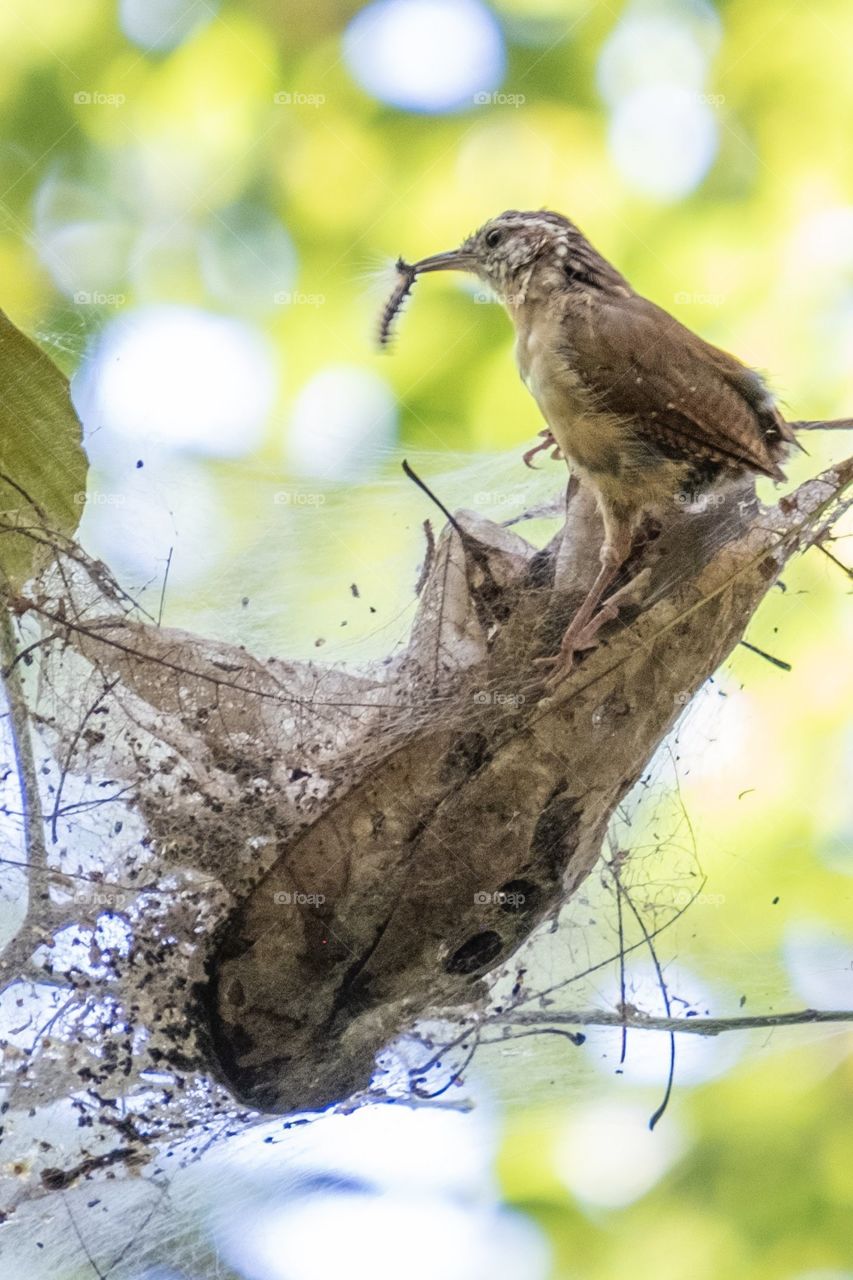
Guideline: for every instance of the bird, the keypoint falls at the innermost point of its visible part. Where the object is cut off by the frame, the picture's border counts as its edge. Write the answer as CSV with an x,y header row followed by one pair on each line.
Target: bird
x,y
646,413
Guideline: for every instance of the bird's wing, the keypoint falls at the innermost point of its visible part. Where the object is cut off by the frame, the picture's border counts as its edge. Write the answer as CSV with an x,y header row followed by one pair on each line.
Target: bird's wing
x,y
639,362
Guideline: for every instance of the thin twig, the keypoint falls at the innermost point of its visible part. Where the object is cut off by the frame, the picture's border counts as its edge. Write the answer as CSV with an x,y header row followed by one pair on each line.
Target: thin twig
x,y
696,1026
768,657
664,990
35,847
845,569
163,588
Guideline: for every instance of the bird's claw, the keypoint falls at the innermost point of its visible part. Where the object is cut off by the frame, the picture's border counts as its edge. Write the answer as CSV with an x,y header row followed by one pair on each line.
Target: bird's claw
x,y
573,643
547,442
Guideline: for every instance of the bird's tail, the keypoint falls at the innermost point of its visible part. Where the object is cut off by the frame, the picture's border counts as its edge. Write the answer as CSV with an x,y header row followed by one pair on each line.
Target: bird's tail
x,y
834,424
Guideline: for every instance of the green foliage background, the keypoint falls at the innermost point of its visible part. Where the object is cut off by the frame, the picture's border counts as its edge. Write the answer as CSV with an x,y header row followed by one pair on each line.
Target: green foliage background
x,y
752,259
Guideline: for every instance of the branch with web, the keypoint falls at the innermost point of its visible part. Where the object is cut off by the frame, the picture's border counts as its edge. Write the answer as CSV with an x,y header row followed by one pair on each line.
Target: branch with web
x,y
237,885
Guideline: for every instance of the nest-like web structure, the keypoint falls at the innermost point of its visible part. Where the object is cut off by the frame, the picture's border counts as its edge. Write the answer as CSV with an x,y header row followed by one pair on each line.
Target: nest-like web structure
x,y
231,882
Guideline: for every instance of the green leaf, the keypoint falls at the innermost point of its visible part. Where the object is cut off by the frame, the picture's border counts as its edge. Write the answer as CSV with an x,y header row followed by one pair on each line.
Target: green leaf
x,y
42,463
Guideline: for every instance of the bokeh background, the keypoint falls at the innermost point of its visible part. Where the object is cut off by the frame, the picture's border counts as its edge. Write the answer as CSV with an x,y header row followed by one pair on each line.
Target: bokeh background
x,y
198,205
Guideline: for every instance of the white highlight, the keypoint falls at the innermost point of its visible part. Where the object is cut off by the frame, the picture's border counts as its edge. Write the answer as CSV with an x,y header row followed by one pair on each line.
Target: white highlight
x,y
663,140
425,55
650,49
608,1156
364,1237
180,377
427,1207
342,420
818,964
164,24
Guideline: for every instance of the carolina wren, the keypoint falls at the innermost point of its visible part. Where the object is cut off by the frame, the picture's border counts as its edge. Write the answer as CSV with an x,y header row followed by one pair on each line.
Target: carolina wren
x,y
642,409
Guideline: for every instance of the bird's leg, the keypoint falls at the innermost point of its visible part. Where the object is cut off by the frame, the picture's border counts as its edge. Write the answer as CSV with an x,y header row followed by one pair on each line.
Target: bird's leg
x,y
548,442
592,614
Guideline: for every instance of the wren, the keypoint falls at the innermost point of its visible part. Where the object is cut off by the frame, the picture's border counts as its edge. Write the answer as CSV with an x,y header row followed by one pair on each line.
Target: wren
x,y
643,410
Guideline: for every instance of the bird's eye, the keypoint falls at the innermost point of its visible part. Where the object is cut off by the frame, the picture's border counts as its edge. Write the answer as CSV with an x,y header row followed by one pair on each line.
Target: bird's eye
x,y
494,237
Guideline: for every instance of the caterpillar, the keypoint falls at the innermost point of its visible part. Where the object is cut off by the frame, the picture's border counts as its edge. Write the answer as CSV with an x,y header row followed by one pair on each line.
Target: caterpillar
x,y
405,279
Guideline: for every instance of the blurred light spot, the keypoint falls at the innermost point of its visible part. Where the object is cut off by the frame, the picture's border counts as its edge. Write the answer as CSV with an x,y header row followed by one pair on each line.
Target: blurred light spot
x,y
391,1147
341,421
134,517
371,1238
653,49
426,55
80,237
697,1058
608,1156
825,240
663,141
350,158
715,731
247,258
165,263
819,965
482,171
180,377
163,24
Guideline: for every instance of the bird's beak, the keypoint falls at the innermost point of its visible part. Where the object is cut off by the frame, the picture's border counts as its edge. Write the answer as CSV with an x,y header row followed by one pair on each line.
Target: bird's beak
x,y
453,260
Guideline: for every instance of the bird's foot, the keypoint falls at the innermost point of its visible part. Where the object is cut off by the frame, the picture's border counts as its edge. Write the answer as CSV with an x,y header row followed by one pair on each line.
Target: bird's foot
x,y
576,640
547,442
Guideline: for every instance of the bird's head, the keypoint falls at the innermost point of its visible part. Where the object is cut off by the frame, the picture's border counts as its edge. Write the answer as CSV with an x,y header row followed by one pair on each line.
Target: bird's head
x,y
511,250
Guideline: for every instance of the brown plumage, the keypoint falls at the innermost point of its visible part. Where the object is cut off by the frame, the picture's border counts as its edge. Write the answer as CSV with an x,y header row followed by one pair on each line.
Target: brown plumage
x,y
644,410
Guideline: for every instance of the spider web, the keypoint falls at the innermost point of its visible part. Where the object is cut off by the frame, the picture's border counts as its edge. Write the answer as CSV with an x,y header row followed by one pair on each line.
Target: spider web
x,y
154,783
